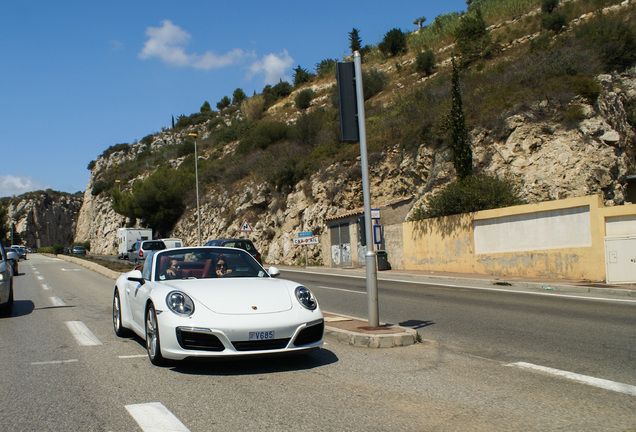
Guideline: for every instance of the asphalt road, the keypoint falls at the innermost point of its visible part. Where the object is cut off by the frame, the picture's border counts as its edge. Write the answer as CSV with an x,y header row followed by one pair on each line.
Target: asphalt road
x,y
63,369
596,338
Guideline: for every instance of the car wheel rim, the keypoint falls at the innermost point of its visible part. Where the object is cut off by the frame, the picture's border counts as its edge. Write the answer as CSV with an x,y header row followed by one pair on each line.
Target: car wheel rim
x,y
151,333
116,312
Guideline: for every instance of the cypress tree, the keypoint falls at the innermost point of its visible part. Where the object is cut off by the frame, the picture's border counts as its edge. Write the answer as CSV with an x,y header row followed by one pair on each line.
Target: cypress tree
x,y
459,140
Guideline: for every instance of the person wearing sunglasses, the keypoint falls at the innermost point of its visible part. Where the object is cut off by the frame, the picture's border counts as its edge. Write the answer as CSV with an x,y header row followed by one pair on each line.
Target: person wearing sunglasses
x,y
221,266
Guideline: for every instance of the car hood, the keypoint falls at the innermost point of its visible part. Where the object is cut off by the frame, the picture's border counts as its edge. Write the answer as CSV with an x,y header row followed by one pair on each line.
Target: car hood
x,y
238,296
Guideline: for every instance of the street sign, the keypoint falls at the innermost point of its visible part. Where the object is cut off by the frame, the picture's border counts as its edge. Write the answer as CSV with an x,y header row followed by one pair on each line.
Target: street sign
x,y
375,213
305,240
246,227
305,234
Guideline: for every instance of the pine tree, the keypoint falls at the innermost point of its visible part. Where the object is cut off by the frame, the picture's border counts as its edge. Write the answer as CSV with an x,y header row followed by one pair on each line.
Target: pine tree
x,y
355,43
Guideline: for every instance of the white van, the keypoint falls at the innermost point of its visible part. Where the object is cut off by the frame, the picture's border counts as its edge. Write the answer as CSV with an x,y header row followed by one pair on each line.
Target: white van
x,y
173,243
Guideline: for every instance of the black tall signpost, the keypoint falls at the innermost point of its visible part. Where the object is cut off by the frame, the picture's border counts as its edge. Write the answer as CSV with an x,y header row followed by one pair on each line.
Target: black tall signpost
x,y
352,129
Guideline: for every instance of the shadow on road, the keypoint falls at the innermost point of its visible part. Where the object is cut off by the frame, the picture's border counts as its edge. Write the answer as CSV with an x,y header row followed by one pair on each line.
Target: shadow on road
x,y
416,324
20,308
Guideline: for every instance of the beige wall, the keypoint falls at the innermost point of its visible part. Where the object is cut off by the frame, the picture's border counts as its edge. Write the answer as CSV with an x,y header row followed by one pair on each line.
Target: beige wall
x,y
448,243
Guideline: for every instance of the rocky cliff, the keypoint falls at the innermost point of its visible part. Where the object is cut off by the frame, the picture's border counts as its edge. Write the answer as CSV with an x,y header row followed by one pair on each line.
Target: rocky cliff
x,y
547,157
44,219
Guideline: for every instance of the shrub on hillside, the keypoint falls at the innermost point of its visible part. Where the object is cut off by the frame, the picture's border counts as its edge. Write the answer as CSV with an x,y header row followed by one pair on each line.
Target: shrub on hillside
x,y
394,43
425,62
253,107
326,68
301,76
262,135
303,98
555,22
613,38
373,82
470,194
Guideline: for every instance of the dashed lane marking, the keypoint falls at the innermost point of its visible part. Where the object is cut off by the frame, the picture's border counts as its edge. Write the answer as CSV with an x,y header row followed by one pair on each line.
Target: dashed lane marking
x,y
46,287
154,416
585,379
53,362
56,301
82,334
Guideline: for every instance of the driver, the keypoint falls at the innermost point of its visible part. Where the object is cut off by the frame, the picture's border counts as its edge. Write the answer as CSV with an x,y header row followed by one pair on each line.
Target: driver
x,y
174,271
221,267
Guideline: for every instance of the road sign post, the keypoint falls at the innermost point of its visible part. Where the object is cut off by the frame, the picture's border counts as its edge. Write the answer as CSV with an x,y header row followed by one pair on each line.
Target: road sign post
x,y
370,258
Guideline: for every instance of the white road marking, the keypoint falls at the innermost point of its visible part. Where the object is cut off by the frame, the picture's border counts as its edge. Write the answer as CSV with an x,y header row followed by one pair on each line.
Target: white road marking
x,y
40,277
343,290
596,382
53,362
132,356
71,270
56,301
450,285
155,417
46,287
82,334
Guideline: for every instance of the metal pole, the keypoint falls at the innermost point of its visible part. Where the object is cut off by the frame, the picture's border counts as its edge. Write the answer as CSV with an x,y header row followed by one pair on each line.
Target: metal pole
x,y
370,257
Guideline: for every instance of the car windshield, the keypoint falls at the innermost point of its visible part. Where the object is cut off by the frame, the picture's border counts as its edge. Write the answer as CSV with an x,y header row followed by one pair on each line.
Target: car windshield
x,y
206,263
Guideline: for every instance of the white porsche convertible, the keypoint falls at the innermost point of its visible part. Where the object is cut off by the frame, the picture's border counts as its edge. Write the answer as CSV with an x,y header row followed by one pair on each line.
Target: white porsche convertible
x,y
214,302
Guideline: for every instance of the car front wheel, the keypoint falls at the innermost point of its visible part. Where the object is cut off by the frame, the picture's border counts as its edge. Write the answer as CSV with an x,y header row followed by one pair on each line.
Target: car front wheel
x,y
153,344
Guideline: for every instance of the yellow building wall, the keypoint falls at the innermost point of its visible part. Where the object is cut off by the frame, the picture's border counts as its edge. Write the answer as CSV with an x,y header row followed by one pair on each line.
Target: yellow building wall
x,y
447,244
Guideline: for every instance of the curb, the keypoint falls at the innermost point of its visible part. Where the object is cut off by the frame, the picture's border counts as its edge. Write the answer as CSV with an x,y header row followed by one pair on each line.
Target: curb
x,y
392,340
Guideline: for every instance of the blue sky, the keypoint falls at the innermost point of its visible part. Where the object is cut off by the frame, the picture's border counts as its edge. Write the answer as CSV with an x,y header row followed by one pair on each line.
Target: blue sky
x,y
77,77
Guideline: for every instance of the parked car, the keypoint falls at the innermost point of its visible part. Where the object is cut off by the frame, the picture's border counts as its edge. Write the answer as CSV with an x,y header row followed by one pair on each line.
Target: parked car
x,y
210,302
141,248
245,244
78,250
21,250
6,283
14,259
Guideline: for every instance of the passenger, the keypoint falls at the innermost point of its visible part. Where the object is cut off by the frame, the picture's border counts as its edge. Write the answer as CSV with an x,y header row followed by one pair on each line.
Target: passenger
x,y
174,271
221,266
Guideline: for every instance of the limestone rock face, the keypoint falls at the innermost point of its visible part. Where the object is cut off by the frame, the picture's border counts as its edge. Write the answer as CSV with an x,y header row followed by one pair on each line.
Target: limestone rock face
x,y
547,157
45,220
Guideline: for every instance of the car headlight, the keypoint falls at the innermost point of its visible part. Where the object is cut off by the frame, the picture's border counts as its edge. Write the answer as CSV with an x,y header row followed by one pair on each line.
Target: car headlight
x,y
306,298
180,303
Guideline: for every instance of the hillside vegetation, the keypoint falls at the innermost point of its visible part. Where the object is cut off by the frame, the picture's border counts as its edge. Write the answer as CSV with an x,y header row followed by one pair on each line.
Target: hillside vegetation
x,y
511,55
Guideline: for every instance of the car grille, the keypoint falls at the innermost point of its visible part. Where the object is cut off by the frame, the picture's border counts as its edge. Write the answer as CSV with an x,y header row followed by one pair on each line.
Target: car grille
x,y
260,345
310,334
194,340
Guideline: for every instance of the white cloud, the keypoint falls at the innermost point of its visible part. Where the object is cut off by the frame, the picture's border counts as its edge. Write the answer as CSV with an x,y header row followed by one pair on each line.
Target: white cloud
x,y
273,67
167,44
16,185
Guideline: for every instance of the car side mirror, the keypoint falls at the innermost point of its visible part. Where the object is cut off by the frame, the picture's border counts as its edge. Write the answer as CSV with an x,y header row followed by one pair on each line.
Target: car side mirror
x,y
273,271
135,276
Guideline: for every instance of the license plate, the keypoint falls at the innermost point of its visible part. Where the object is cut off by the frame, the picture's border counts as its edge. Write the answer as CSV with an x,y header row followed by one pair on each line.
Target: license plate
x,y
261,335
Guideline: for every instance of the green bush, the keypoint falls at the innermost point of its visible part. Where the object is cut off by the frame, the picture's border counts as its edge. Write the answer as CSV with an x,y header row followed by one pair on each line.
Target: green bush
x,y
470,194
373,82
301,76
613,38
223,103
262,135
548,6
394,43
326,68
303,98
555,22
473,39
425,62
